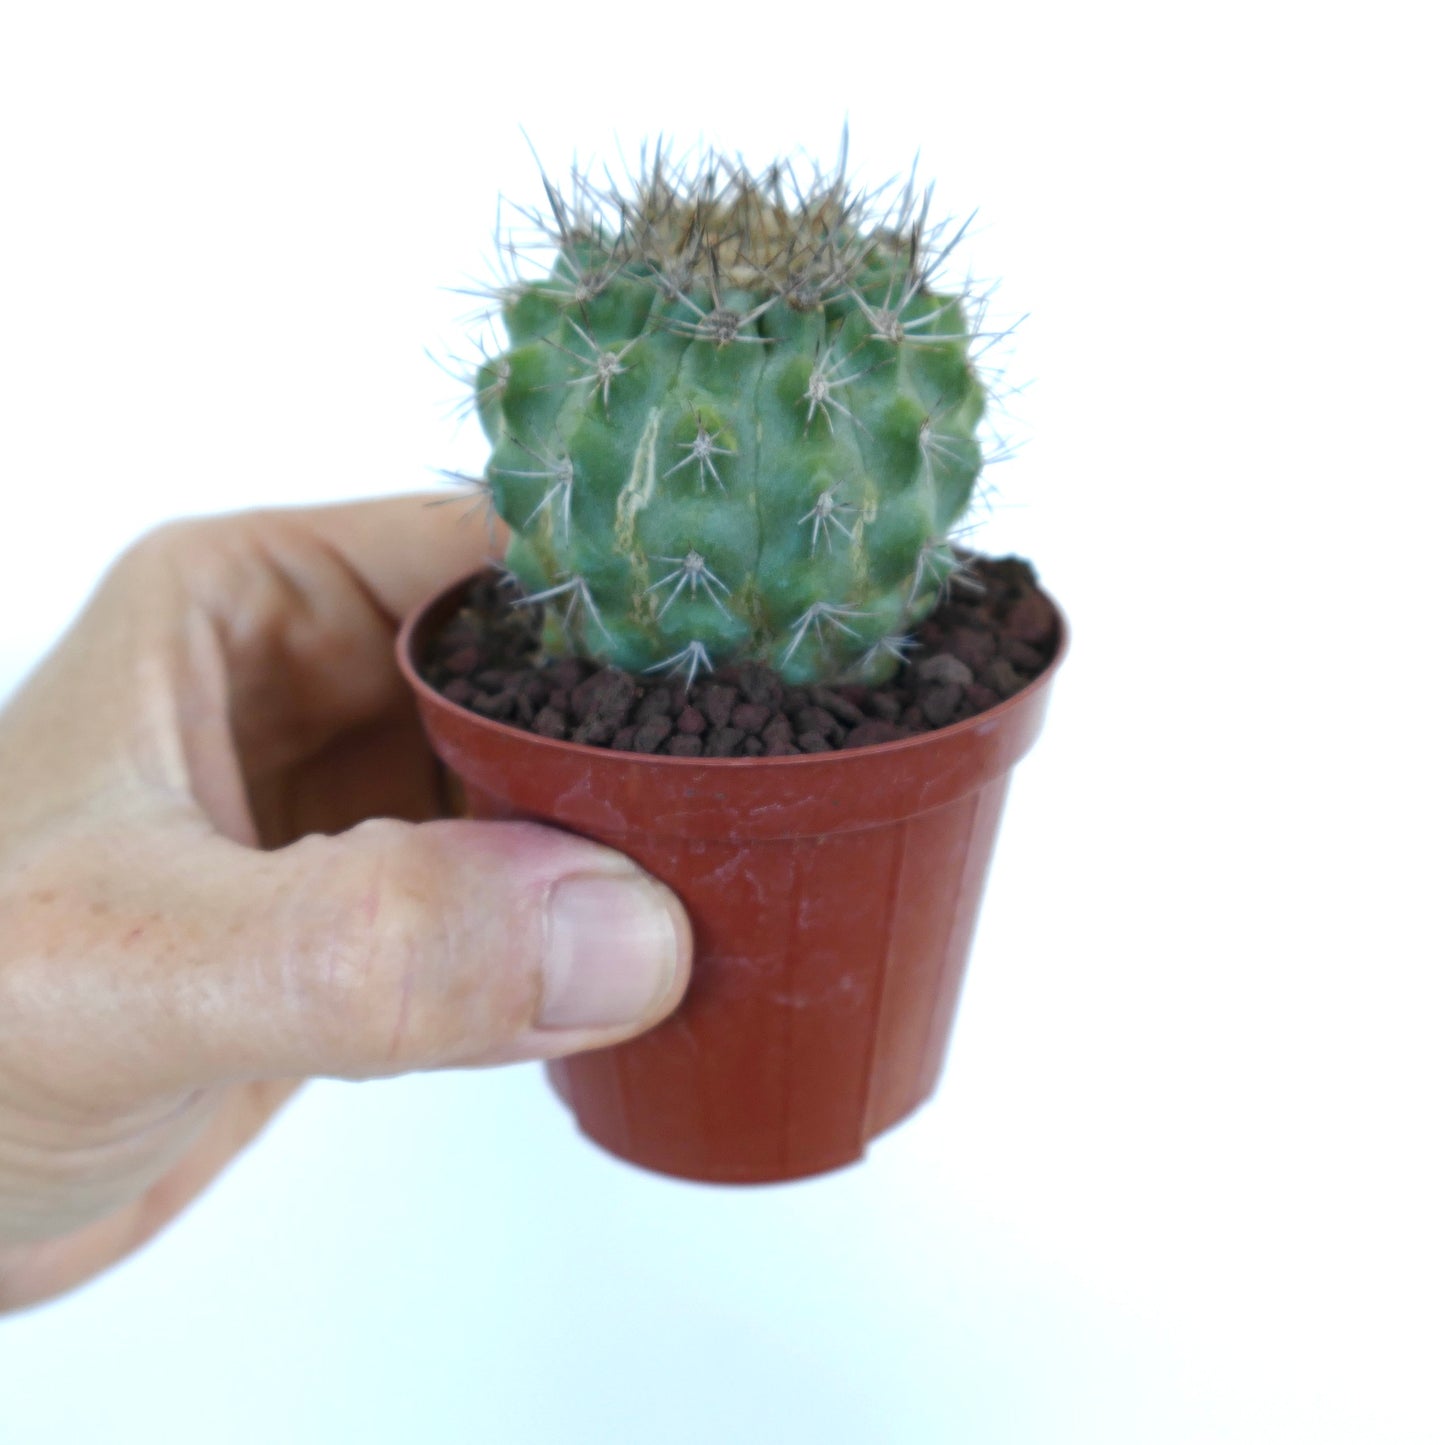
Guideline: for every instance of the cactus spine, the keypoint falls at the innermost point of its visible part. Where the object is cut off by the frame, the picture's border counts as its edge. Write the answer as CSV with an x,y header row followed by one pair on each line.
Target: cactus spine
x,y
734,419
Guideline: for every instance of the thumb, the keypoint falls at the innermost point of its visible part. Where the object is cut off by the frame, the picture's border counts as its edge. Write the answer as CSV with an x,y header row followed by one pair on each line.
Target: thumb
x,y
401,946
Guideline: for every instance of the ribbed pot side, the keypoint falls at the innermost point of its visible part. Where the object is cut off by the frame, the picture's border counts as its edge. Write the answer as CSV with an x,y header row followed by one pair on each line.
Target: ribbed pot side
x,y
833,898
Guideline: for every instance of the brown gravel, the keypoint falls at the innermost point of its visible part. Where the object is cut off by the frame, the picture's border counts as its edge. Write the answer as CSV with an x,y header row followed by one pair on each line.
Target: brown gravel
x,y
977,649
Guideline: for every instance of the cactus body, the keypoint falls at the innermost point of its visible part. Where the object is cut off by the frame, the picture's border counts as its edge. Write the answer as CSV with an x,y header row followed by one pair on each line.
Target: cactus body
x,y
733,422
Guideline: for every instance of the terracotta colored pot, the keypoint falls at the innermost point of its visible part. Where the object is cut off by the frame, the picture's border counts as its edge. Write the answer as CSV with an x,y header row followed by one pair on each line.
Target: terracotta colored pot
x,y
833,898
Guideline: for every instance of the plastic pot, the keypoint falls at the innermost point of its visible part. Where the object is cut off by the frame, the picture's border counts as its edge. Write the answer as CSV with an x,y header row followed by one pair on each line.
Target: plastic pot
x,y
833,899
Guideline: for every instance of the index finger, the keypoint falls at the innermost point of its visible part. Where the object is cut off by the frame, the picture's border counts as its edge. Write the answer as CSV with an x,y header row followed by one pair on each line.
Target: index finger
x,y
404,548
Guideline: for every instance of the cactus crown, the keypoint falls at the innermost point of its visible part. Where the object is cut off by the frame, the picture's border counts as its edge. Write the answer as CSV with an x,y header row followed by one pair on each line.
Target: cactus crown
x,y
734,418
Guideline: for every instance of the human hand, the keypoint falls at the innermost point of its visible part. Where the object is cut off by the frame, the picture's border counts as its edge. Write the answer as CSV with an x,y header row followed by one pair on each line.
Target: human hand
x,y
223,870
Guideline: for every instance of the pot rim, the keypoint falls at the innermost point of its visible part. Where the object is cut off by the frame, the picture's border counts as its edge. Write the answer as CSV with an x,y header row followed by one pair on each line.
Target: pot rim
x,y
422,614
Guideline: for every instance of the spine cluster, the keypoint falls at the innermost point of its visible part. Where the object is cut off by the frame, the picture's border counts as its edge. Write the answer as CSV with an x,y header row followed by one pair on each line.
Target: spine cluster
x,y
735,417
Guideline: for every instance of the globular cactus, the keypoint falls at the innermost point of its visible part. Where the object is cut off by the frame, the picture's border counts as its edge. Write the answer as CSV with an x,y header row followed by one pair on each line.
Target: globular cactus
x,y
734,420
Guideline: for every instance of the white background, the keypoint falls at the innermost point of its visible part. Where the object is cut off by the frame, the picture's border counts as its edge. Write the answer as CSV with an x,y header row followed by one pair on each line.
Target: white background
x,y
1180,1183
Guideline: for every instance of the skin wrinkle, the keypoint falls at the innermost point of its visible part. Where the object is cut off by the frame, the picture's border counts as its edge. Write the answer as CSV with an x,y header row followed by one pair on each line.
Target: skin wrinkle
x,y
280,618
299,628
403,1013
30,1275
78,1167
419,973
524,934
94,1142
161,659
219,787
270,723
408,969
80,1118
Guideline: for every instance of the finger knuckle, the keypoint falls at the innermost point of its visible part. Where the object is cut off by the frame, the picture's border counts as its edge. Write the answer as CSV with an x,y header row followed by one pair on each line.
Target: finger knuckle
x,y
387,982
161,545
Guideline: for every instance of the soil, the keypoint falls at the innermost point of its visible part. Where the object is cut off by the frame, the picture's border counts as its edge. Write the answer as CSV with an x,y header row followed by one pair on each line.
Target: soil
x,y
985,641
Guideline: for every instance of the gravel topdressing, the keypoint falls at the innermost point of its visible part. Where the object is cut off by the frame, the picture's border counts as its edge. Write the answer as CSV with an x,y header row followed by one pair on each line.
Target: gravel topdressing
x,y
985,641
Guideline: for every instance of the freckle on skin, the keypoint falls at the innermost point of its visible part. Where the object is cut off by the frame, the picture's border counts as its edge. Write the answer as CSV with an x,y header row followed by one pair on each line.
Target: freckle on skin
x,y
45,895
133,935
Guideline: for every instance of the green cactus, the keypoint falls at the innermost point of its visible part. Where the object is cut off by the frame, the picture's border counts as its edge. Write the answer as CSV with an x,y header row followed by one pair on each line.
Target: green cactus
x,y
735,420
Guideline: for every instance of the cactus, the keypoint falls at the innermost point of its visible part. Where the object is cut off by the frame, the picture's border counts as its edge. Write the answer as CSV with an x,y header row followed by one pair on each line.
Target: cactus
x,y
735,419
